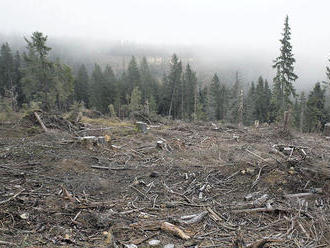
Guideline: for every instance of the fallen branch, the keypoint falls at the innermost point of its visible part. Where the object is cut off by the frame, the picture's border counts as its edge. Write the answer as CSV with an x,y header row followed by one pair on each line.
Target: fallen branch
x,y
261,243
319,191
108,168
256,210
257,156
12,197
192,219
168,227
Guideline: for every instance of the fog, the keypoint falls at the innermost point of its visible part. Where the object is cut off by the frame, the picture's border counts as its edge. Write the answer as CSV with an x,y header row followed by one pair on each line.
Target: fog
x,y
218,36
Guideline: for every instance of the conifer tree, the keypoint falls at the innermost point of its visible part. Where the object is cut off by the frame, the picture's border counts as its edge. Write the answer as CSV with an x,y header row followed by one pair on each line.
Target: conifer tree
x,y
135,101
315,111
82,86
6,69
234,104
216,99
149,85
133,76
250,106
17,80
171,101
285,76
43,80
267,101
97,88
189,91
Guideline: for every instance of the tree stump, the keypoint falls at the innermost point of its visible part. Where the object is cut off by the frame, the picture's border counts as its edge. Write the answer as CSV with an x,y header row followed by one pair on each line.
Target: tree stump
x,y
326,130
141,126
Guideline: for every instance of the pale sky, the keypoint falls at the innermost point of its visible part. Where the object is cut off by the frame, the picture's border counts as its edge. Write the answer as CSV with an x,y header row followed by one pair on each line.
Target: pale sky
x,y
245,26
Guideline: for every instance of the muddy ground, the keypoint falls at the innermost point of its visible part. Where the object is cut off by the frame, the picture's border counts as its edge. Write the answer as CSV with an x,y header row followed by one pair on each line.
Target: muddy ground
x,y
219,186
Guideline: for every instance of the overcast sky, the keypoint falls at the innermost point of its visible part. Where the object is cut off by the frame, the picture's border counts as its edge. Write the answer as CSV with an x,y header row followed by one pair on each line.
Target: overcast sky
x,y
246,26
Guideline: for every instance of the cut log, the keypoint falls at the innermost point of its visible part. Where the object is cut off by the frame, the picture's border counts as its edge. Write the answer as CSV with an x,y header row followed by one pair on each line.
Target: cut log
x,y
40,122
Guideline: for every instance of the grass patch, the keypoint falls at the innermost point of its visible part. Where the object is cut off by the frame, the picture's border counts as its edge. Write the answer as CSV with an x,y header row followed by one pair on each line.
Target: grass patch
x,y
106,122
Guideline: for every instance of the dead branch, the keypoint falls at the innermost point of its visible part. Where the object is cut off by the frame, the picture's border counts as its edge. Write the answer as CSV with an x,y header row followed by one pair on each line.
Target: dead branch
x,y
192,219
168,227
12,197
261,243
302,194
108,168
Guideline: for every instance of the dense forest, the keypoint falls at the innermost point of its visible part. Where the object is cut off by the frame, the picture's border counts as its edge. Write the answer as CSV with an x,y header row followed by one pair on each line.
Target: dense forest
x,y
32,79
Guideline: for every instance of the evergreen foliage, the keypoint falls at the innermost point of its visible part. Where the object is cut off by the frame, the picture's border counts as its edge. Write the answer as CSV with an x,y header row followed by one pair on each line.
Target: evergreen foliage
x,y
81,88
315,112
285,76
36,80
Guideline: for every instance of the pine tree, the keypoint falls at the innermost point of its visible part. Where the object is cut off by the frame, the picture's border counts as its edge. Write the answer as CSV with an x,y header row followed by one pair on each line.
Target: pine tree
x,y
149,85
133,76
302,101
234,103
111,85
250,106
17,80
135,101
171,101
260,101
216,99
285,76
43,80
189,92
97,86
315,111
267,102
82,86
6,69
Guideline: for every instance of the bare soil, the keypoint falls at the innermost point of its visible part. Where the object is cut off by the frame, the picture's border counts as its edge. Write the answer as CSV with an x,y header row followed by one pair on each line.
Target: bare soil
x,y
58,192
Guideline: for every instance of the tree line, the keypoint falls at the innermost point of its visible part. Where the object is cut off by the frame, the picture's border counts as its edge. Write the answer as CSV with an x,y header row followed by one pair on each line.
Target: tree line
x,y
33,79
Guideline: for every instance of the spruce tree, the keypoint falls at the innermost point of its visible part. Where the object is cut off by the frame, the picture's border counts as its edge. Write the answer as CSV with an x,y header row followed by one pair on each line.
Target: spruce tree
x,y
315,112
234,100
97,88
267,102
260,101
285,76
133,76
6,69
216,99
149,85
82,86
171,101
43,80
17,80
189,91
250,106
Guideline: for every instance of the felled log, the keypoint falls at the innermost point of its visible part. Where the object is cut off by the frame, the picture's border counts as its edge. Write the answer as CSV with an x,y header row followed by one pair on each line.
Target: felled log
x,y
95,140
40,122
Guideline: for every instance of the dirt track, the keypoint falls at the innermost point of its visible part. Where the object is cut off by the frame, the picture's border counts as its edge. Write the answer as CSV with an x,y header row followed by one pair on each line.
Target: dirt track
x,y
51,196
